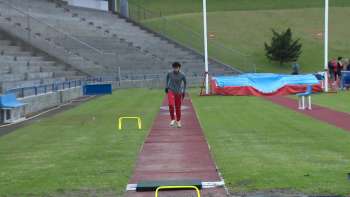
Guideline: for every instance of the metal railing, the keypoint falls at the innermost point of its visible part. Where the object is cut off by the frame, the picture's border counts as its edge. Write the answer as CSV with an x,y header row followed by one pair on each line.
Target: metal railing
x,y
93,79
56,42
75,82
190,38
31,87
67,82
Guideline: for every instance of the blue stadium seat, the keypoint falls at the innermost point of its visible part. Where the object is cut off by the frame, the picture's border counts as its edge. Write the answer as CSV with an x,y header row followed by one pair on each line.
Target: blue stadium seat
x,y
9,103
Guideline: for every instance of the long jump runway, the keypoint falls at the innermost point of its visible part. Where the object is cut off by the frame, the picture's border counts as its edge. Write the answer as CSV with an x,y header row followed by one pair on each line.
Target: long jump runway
x,y
330,116
171,153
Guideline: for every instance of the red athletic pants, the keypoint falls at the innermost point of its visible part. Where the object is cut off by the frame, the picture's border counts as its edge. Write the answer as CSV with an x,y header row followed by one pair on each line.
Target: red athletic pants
x,y
177,98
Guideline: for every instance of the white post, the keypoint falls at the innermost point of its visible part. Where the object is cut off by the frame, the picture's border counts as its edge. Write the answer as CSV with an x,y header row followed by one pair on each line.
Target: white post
x,y
205,46
326,46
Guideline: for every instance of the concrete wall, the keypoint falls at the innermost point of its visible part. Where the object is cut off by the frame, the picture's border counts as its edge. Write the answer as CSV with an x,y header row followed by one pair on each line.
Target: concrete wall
x,y
40,102
45,101
94,4
70,94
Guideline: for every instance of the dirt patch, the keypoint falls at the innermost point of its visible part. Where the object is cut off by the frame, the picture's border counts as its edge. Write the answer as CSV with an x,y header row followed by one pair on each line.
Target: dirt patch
x,y
245,183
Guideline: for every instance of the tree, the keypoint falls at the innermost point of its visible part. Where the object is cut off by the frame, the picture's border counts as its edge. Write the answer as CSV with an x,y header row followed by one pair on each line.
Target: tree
x,y
283,48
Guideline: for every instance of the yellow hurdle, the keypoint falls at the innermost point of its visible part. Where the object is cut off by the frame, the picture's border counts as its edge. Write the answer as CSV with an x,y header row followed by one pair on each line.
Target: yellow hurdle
x,y
121,119
177,187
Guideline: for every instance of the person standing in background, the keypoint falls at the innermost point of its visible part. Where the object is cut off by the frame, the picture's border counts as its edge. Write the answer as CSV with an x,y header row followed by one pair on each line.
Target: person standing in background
x,y
331,70
340,68
295,69
334,63
348,67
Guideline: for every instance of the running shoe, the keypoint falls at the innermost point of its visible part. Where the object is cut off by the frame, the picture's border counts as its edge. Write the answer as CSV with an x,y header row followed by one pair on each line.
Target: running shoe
x,y
179,124
172,123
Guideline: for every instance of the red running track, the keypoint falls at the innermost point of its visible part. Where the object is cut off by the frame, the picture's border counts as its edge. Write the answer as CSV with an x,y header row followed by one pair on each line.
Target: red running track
x,y
171,153
330,116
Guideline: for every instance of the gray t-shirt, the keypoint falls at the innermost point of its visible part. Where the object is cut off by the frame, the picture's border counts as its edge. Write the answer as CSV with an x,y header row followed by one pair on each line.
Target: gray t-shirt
x,y
175,82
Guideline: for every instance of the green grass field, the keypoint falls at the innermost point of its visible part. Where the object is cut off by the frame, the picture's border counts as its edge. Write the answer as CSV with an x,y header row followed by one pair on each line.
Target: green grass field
x,y
339,101
171,7
256,145
259,145
247,31
73,153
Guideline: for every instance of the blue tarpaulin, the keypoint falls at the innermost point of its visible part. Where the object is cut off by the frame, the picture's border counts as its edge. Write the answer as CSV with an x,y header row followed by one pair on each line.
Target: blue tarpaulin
x,y
265,81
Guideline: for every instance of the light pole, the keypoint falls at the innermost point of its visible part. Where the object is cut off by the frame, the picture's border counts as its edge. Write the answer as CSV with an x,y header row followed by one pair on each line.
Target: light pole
x,y
326,45
205,46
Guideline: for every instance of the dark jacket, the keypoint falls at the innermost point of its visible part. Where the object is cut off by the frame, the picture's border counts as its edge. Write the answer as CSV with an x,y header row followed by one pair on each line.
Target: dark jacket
x,y
340,68
295,69
331,67
348,67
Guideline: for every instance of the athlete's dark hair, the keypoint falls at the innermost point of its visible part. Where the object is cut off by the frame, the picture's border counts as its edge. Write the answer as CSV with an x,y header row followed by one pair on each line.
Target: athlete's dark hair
x,y
176,64
339,58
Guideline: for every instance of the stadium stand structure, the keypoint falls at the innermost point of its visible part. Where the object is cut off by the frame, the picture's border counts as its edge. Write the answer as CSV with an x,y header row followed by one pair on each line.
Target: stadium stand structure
x,y
19,68
140,52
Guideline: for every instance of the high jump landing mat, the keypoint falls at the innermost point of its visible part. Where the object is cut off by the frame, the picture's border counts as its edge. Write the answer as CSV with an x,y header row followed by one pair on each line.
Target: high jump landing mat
x,y
263,84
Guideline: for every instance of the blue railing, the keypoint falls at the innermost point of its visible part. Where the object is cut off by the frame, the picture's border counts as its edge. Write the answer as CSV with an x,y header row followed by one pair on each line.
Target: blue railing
x,y
75,82
199,73
29,87
97,79
144,76
102,77
45,85
69,83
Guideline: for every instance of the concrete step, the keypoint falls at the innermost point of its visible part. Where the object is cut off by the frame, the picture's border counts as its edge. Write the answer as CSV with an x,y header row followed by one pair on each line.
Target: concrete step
x,y
96,70
24,69
42,63
16,84
39,75
10,48
30,59
52,68
5,70
53,80
5,58
82,78
14,64
5,42
12,77
75,24
83,64
18,53
64,73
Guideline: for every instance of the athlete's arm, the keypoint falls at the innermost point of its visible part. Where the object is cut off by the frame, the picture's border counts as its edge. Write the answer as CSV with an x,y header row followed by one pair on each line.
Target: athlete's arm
x,y
185,87
167,83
